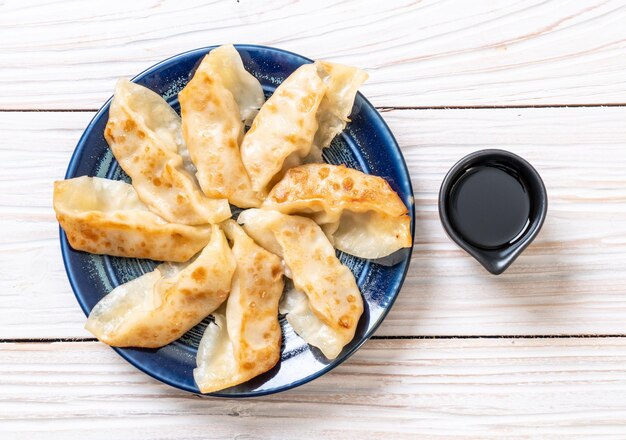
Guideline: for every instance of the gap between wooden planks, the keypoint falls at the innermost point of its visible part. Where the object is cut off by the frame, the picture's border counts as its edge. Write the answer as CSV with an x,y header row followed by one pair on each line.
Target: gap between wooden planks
x,y
379,109
569,282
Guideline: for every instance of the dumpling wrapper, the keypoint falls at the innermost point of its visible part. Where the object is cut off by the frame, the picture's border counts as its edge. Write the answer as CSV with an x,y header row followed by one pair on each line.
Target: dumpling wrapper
x,y
343,83
245,342
332,292
284,128
160,306
301,118
214,104
145,135
105,216
226,62
295,304
364,216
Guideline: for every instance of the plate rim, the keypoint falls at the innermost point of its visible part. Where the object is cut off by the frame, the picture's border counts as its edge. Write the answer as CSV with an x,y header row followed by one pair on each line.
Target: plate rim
x,y
396,153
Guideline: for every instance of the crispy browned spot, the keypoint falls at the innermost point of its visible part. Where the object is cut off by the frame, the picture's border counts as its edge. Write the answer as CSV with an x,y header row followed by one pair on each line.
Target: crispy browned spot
x,y
90,235
108,132
156,181
323,172
232,143
129,125
347,183
199,274
141,134
143,333
276,270
345,321
351,298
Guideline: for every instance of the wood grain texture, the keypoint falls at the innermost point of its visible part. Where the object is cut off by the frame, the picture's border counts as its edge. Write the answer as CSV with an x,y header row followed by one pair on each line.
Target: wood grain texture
x,y
544,388
67,55
571,280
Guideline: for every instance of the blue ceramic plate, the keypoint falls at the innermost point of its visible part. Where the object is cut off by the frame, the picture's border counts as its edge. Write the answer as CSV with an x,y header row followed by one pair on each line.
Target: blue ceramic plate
x,y
366,144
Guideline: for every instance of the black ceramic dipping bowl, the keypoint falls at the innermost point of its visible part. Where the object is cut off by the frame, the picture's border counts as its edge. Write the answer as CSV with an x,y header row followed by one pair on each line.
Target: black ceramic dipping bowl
x,y
492,203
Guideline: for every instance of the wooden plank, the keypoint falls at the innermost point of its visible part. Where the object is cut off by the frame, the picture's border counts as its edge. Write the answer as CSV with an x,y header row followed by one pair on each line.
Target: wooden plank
x,y
470,388
572,280
34,153
428,53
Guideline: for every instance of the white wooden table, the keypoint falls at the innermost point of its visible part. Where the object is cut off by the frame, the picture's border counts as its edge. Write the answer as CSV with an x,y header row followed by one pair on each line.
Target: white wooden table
x,y
539,351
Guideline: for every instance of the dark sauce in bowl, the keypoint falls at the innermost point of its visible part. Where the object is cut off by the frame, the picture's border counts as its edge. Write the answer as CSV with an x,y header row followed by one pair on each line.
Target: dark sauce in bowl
x,y
489,206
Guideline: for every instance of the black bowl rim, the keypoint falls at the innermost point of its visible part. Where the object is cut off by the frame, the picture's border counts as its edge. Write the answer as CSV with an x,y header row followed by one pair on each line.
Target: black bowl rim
x,y
518,163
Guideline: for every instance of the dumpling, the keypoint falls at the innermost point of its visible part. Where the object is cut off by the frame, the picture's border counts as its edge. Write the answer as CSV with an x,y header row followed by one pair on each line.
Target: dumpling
x,y
245,88
144,133
295,304
213,105
332,115
160,306
332,292
245,341
105,216
300,119
362,214
284,128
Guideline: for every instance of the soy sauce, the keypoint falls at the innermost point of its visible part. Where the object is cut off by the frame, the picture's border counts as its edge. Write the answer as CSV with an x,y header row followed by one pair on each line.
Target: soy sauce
x,y
489,206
